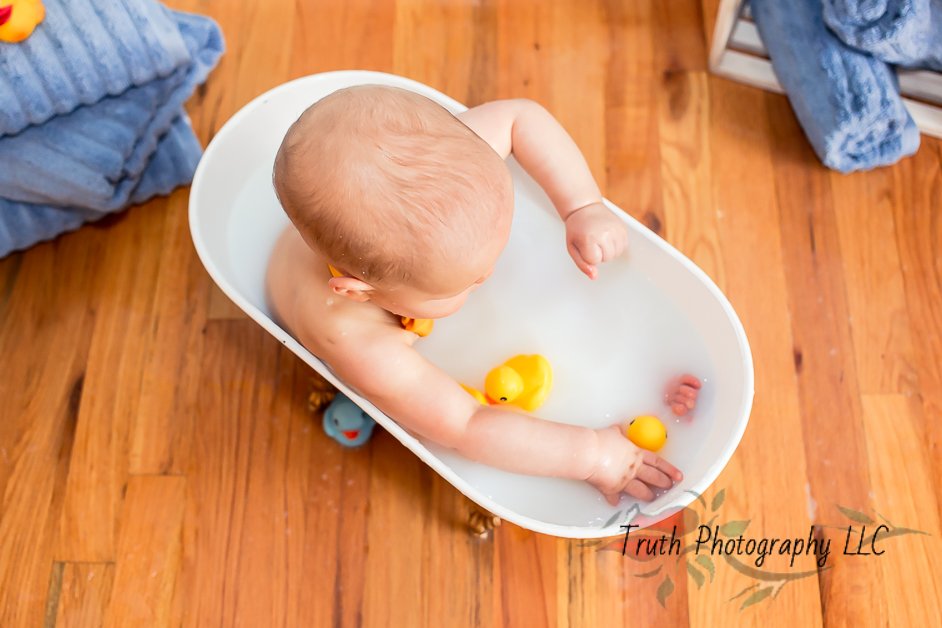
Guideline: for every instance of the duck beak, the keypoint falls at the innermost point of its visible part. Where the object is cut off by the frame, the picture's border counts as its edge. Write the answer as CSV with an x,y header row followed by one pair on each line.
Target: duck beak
x,y
5,13
351,434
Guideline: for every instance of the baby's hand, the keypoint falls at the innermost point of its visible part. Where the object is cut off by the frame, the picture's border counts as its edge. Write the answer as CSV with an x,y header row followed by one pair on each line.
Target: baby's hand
x,y
682,394
594,235
623,466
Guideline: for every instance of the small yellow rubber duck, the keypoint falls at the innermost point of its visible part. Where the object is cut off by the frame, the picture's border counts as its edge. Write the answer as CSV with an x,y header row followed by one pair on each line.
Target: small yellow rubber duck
x,y
523,381
18,19
647,432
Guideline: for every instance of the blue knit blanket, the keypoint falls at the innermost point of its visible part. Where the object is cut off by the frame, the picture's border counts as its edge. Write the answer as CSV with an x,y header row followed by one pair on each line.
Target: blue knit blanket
x,y
902,32
847,102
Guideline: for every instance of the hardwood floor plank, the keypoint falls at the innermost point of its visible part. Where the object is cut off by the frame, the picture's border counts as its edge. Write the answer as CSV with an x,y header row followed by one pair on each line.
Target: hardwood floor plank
x,y
835,450
428,32
353,35
903,486
876,302
767,483
467,566
681,41
326,499
48,318
395,533
170,384
84,596
919,239
227,533
632,159
112,387
148,553
527,565
686,170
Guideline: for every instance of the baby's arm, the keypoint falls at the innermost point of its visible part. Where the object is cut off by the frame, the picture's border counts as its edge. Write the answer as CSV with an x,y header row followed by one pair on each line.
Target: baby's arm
x,y
551,157
384,368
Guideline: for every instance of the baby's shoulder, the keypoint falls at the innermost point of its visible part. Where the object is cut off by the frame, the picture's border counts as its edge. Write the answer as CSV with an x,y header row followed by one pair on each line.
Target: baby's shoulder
x,y
303,303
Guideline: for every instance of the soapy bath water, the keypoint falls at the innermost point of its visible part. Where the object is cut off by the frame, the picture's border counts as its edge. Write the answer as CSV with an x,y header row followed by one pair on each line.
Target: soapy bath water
x,y
613,343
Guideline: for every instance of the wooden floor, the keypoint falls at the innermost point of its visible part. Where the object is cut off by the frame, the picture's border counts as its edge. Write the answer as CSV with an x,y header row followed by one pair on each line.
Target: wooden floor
x,y
158,465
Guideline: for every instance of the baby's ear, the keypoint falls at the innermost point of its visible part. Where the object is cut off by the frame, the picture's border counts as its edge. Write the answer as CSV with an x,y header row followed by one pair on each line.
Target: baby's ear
x,y
351,288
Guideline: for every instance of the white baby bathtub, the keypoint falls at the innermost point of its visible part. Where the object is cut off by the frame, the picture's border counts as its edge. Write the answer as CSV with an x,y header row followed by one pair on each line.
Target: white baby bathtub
x,y
612,342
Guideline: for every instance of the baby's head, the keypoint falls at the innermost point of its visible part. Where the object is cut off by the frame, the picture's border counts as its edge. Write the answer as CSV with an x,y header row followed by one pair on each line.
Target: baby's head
x,y
400,196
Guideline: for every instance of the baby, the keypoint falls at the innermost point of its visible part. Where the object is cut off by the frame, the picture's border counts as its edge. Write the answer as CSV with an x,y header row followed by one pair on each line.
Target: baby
x,y
400,210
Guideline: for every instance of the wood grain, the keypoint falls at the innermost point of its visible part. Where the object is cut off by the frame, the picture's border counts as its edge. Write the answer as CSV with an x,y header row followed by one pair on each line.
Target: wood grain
x,y
876,301
912,565
919,236
111,391
84,595
827,380
767,481
45,339
159,466
633,165
147,561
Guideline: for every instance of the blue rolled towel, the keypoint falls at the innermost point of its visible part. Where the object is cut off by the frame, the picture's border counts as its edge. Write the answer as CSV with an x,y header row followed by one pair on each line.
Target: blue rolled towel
x,y
847,102
99,158
901,32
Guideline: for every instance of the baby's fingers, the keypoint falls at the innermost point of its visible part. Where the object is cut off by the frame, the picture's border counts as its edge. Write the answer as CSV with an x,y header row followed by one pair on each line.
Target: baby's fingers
x,y
590,248
639,490
585,265
662,465
682,395
653,476
608,247
615,244
682,401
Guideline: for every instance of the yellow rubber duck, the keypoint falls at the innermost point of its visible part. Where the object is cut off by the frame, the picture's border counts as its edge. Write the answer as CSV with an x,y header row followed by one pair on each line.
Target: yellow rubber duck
x,y
18,19
523,381
647,432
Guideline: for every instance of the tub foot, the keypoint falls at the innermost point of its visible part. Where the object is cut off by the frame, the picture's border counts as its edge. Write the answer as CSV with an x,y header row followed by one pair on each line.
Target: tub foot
x,y
322,393
481,522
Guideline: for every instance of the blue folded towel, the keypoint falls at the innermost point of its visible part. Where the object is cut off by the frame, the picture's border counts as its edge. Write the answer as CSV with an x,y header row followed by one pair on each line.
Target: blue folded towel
x,y
24,224
105,147
847,102
902,32
83,51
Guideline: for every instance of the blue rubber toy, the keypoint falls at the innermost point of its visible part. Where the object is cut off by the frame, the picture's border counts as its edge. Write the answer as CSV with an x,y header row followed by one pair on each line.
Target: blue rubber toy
x,y
346,423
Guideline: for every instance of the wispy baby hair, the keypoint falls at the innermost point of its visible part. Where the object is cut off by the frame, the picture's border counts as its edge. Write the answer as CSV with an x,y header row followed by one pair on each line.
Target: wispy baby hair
x,y
387,184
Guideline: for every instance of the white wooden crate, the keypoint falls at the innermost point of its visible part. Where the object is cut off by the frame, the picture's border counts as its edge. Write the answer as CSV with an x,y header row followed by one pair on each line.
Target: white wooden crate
x,y
738,53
